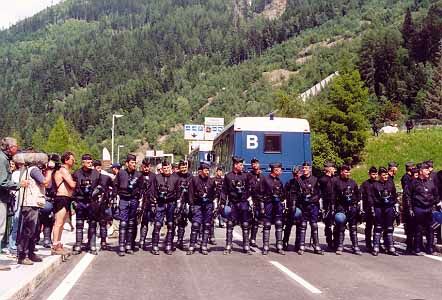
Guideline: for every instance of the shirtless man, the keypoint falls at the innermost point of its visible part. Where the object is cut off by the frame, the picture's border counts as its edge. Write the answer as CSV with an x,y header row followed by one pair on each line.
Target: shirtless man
x,y
65,186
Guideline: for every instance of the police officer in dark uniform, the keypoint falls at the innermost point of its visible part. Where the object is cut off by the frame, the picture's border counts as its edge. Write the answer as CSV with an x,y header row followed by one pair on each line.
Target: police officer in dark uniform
x,y
325,187
382,206
201,197
346,199
308,203
148,179
87,179
166,192
271,196
184,177
254,178
408,222
392,170
103,196
128,185
291,196
369,218
235,195
422,197
218,180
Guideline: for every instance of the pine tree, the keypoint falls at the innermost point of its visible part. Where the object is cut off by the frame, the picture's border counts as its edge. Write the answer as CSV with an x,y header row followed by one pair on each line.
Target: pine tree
x,y
39,139
58,139
433,102
408,30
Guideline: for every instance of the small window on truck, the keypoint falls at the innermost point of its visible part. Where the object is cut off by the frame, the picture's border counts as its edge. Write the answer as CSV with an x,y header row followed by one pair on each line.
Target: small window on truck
x,y
272,143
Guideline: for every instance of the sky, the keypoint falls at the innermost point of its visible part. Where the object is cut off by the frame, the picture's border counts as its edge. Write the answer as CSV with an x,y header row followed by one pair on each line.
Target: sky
x,y
12,11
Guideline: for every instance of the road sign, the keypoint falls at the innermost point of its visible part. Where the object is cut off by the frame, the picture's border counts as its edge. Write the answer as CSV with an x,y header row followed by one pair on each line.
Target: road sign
x,y
213,127
193,132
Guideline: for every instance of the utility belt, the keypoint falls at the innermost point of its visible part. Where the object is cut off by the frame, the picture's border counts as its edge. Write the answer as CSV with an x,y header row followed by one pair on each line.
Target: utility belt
x,y
203,201
85,200
383,205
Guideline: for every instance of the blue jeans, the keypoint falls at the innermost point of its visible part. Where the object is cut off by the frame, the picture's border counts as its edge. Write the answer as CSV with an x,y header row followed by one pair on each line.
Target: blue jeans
x,y
14,228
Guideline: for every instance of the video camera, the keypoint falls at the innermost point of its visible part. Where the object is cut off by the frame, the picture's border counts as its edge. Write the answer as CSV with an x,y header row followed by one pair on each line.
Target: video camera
x,y
239,187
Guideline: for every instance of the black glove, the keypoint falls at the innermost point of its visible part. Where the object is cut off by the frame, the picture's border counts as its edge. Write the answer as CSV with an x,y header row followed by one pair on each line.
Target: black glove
x,y
411,213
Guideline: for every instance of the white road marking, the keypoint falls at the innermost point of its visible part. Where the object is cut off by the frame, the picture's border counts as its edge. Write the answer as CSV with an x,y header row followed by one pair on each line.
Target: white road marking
x,y
296,278
66,285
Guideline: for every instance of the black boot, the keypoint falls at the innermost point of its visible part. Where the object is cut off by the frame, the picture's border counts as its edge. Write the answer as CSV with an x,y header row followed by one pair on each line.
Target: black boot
x,y
286,238
253,233
103,236
390,244
130,237
376,242
229,238
418,241
430,242
368,231
315,237
340,233
300,239
278,236
354,240
205,238
193,237
47,232
169,238
79,223
245,238
212,239
266,239
180,237
122,238
156,238
143,234
329,236
92,237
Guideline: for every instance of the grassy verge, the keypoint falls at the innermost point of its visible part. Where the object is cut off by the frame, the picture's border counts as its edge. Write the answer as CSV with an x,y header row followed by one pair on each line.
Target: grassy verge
x,y
418,146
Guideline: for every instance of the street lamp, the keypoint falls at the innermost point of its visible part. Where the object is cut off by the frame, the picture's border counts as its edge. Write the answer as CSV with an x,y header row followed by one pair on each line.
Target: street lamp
x,y
118,152
113,133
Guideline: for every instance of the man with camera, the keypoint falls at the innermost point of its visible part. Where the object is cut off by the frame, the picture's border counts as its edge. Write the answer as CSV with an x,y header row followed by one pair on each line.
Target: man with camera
x,y
87,181
271,196
166,192
201,197
32,199
235,196
182,216
128,185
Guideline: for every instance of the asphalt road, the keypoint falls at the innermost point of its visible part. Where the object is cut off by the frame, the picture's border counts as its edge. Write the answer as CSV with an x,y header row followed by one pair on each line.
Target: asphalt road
x,y
241,276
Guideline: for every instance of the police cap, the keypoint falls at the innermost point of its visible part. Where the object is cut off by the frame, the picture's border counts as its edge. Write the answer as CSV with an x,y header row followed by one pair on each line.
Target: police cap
x,y
237,159
424,165
203,165
345,168
306,164
96,163
165,163
116,165
182,163
372,170
392,164
146,161
329,165
429,163
86,157
382,170
254,160
409,166
275,165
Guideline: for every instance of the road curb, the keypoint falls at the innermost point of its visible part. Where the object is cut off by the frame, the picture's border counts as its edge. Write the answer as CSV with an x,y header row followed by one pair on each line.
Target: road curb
x,y
26,288
398,238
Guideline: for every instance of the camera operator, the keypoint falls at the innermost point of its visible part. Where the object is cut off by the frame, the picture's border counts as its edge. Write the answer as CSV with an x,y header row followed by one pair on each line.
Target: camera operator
x,y
32,199
128,185
8,149
87,180
64,185
165,194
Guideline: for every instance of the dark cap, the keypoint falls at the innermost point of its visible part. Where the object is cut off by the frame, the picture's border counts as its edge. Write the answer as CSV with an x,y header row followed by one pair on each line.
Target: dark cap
x,y
220,169
429,163
116,165
131,157
345,168
165,163
254,160
296,169
392,164
409,166
275,165
382,170
203,165
182,163
237,159
146,161
424,165
97,163
306,164
414,170
372,170
329,165
86,157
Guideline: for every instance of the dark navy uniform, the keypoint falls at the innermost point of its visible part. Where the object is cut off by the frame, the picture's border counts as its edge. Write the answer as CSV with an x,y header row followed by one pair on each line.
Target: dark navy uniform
x,y
254,181
165,195
271,196
308,203
409,226
291,195
87,208
235,194
201,197
128,185
326,192
105,211
346,199
218,185
382,199
148,179
183,216
421,196
366,187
